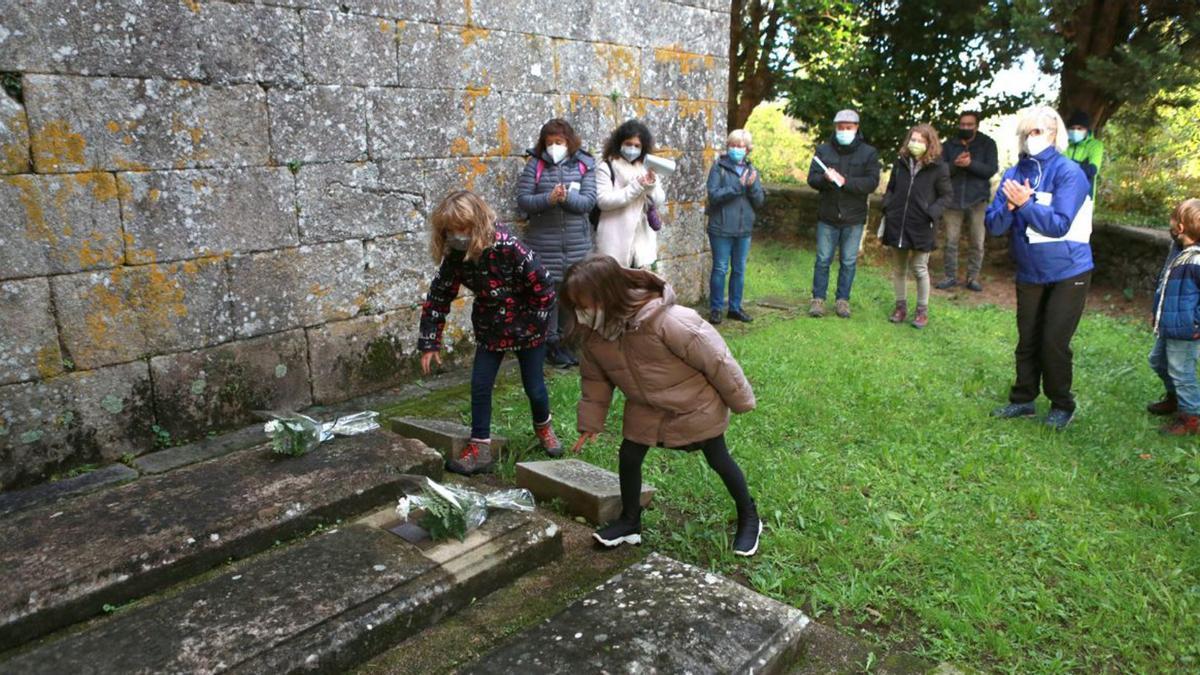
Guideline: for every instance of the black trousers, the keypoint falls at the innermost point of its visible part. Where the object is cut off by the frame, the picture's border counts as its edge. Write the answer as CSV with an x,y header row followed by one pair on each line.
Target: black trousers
x,y
716,453
1047,316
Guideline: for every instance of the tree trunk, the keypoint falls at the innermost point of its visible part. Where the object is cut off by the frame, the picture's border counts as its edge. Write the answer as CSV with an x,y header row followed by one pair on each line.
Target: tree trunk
x,y
753,33
735,41
1094,30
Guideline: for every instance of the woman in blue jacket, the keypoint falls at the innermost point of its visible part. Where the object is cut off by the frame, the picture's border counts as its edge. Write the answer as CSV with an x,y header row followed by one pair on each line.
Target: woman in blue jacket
x,y
734,193
1044,204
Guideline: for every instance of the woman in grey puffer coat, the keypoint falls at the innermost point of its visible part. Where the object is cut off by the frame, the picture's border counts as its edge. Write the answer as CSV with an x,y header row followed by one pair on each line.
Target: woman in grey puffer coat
x,y
557,190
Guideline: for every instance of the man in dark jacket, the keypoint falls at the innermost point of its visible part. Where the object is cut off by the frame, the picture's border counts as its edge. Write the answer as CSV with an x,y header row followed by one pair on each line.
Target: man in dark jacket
x,y
845,171
973,161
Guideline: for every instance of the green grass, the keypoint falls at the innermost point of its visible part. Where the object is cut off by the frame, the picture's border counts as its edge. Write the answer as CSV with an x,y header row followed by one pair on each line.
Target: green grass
x,y
894,502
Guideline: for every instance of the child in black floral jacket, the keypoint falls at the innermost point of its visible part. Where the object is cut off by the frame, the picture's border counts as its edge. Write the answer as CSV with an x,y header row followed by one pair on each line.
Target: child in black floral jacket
x,y
513,301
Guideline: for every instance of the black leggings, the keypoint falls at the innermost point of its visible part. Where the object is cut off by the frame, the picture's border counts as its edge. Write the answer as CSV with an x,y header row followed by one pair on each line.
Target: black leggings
x,y
715,452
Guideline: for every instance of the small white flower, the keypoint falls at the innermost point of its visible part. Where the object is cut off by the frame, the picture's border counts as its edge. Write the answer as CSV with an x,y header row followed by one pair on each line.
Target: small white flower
x,y
214,537
272,426
402,508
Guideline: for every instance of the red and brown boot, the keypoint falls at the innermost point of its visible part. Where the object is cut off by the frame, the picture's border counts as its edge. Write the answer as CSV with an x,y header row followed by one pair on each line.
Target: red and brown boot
x,y
475,457
1169,405
1184,425
547,438
900,313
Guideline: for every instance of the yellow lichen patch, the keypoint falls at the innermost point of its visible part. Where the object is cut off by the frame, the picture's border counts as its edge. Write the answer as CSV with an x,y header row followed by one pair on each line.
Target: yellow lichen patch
x,y
467,8
30,196
503,140
199,184
555,64
193,5
187,84
386,26
709,155
317,290
470,99
470,34
114,126
135,255
102,185
94,253
621,67
15,156
687,62
460,146
668,152
49,361
470,171
56,147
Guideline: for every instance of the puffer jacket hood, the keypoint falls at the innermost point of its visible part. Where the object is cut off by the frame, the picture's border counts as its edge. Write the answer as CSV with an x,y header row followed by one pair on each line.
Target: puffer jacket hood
x,y
679,379
1177,297
1050,233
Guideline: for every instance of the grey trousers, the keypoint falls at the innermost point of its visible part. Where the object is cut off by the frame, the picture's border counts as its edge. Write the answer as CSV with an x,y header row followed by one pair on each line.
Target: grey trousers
x,y
920,267
953,220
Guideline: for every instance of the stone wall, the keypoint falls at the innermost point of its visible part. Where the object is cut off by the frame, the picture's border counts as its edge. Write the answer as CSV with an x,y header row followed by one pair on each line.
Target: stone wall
x,y
213,207
1127,258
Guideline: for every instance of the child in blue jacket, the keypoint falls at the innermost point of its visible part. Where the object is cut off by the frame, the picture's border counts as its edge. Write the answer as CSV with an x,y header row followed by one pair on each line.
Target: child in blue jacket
x,y
1177,324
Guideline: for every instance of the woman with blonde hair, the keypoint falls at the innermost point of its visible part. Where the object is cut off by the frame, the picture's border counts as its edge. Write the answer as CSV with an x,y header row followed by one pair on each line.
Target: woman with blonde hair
x,y
1044,205
513,300
917,193
734,194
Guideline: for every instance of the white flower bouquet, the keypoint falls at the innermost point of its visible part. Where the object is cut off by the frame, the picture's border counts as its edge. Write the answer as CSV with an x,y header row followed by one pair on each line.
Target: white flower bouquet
x,y
451,511
294,434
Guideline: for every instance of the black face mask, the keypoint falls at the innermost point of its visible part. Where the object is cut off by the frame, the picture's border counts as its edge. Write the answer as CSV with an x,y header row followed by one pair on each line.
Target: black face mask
x,y
966,133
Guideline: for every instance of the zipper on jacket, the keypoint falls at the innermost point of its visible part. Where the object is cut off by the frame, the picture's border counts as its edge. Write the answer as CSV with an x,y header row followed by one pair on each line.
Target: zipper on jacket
x,y
907,196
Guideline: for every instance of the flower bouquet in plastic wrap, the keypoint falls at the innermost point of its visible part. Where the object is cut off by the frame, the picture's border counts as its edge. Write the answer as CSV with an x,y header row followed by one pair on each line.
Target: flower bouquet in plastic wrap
x,y
294,434
451,511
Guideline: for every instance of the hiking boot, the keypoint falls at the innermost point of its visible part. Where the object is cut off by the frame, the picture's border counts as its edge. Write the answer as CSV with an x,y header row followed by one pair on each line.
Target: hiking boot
x,y
816,309
714,316
922,317
475,457
739,315
549,441
1058,419
1169,405
1183,425
1015,410
749,530
620,531
975,286
899,312
947,283
842,308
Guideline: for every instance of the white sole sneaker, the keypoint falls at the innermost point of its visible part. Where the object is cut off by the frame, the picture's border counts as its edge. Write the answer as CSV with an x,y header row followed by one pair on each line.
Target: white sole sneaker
x,y
633,539
754,549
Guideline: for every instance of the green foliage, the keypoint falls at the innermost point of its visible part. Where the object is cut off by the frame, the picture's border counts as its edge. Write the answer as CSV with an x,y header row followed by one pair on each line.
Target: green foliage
x,y
10,82
901,63
1152,160
442,519
781,150
162,437
894,503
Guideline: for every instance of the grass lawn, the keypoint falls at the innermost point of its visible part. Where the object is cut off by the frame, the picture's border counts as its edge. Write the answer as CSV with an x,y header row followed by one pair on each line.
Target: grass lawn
x,y
893,503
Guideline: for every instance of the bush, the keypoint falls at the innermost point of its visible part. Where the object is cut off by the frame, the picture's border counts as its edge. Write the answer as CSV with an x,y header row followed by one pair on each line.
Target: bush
x,y
782,150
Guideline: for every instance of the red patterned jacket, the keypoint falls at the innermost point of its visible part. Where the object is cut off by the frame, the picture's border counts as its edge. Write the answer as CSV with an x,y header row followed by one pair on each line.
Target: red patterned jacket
x,y
513,297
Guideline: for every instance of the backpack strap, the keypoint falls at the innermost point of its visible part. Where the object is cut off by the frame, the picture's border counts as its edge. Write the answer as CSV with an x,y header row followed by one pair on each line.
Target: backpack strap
x,y
537,172
582,169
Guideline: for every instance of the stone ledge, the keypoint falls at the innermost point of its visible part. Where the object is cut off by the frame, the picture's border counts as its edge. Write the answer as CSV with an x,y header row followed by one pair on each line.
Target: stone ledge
x,y
587,490
47,493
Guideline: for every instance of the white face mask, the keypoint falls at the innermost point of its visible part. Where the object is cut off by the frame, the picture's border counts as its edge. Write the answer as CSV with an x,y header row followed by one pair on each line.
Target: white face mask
x,y
592,318
631,152
557,152
1034,145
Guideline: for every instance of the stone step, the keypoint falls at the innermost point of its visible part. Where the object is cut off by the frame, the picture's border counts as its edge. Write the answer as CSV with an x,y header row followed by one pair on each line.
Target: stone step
x,y
442,435
62,562
324,604
659,615
585,489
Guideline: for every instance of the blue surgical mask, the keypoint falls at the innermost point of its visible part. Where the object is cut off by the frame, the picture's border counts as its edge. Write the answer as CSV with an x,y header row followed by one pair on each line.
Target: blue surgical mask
x,y
845,137
1076,135
631,152
737,154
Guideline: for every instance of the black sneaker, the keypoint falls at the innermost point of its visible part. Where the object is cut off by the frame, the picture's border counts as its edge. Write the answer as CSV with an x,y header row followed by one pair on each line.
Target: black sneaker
x,y
739,315
1015,410
973,285
745,541
619,531
714,316
1058,419
948,282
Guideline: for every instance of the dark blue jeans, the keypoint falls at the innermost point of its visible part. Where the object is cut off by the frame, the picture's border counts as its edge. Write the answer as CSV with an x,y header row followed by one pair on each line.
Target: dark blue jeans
x,y
844,240
483,380
727,253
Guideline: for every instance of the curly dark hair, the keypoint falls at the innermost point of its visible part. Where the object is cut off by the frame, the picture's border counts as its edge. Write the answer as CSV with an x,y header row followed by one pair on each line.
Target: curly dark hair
x,y
628,129
557,126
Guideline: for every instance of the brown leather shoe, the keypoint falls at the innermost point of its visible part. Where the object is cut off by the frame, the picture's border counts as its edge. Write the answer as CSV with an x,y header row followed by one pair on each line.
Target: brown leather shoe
x,y
1169,405
1183,425
900,312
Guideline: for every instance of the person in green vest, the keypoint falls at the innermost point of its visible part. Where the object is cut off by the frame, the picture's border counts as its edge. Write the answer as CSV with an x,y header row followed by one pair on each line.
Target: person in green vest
x,y
1084,147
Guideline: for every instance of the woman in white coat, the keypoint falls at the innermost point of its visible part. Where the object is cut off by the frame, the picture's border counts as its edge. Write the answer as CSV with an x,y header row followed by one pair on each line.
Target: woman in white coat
x,y
625,189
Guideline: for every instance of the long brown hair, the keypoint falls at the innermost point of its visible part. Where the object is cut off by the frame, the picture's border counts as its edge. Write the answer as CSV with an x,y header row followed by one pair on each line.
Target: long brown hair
x,y
602,281
561,127
462,210
933,146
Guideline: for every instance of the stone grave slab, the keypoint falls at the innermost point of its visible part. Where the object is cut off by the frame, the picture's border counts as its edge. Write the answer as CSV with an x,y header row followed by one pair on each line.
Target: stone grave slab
x,y
62,562
46,493
442,435
208,448
323,604
586,489
658,616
